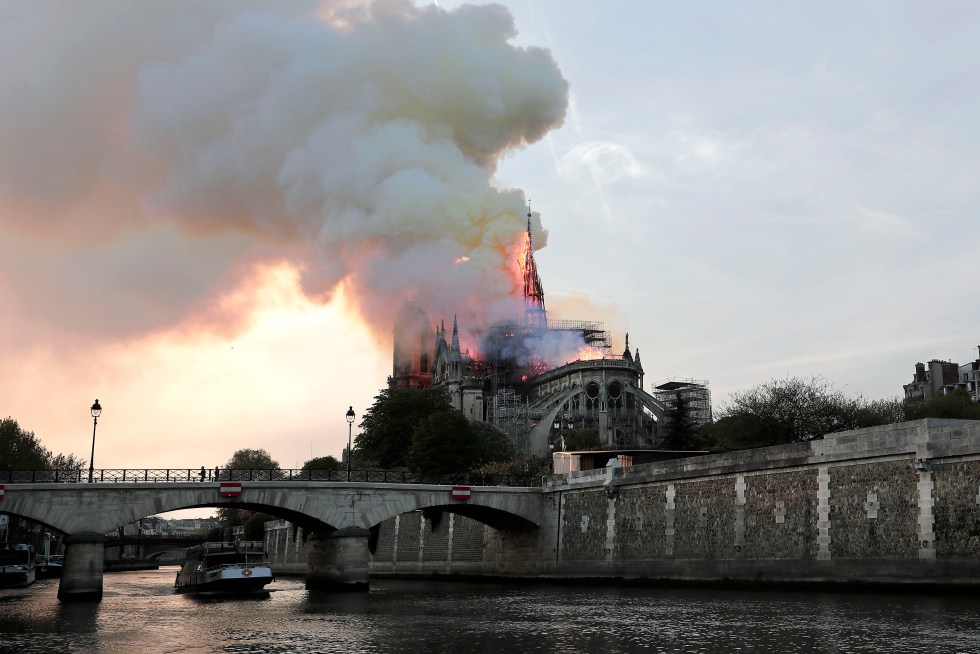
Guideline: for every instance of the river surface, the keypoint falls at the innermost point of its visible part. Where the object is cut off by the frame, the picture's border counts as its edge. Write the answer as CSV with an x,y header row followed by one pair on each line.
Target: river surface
x,y
140,613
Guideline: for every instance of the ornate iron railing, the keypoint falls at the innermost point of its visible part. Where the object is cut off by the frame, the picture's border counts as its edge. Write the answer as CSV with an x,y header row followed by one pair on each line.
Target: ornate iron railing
x,y
137,475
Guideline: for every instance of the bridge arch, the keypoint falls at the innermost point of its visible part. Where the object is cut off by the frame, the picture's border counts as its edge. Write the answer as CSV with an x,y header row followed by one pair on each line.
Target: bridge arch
x,y
82,508
26,515
167,556
339,516
504,509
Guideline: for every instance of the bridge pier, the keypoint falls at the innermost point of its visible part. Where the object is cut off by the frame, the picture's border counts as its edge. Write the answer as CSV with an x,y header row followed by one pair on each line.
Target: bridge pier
x,y
339,560
81,577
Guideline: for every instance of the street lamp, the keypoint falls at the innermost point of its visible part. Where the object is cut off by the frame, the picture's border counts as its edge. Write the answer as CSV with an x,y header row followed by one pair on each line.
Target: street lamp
x,y
96,412
350,430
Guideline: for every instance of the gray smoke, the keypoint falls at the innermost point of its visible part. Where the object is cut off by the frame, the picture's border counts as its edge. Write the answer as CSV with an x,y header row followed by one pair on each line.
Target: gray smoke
x,y
161,150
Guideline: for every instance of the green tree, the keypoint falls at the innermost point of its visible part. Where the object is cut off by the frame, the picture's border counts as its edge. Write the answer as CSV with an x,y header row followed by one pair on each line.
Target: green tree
x,y
448,442
443,442
390,423
323,463
953,405
680,430
534,466
793,410
67,462
493,445
738,432
583,439
254,527
21,450
881,412
248,459
244,459
321,467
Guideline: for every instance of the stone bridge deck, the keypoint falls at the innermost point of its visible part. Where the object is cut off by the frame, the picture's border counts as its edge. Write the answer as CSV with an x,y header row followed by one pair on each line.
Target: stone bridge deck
x,y
340,514
97,508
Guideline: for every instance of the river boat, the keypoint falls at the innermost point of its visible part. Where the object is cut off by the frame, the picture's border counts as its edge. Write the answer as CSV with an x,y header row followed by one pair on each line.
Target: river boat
x,y
240,567
16,565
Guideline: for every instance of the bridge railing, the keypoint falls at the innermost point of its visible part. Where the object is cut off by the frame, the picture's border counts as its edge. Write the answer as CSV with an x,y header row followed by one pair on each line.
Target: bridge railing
x,y
138,475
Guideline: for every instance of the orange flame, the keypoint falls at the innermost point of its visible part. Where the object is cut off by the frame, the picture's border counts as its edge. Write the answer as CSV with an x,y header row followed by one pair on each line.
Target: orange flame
x,y
588,353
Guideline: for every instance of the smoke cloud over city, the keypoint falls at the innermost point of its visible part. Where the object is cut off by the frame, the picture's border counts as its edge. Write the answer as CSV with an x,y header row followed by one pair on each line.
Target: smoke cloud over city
x,y
159,158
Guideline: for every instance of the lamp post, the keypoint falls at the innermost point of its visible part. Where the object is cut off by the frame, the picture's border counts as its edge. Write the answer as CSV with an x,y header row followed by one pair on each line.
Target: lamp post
x,y
96,411
350,431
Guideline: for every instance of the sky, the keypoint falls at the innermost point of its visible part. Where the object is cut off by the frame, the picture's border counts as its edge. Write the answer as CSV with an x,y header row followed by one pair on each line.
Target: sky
x,y
210,212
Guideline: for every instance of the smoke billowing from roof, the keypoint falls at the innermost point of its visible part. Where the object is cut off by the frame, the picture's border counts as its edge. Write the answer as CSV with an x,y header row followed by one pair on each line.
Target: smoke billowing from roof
x,y
157,153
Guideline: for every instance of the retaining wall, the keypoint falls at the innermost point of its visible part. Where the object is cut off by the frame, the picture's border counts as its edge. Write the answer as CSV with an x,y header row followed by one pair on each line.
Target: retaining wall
x,y
898,504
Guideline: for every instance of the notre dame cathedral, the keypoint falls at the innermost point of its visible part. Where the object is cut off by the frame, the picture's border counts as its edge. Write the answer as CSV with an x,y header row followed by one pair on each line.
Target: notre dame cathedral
x,y
537,379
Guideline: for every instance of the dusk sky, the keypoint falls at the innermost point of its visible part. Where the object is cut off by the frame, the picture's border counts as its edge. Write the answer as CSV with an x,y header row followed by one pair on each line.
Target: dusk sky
x,y
209,212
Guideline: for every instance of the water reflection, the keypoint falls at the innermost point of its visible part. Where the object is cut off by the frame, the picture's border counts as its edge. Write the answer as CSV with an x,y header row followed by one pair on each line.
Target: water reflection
x,y
141,613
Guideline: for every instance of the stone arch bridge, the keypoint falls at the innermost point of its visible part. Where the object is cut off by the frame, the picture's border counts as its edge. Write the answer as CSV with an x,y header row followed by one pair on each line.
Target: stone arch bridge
x,y
339,516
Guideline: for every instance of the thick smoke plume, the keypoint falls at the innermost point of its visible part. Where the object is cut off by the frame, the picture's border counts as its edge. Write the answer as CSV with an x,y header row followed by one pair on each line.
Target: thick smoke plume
x,y
162,152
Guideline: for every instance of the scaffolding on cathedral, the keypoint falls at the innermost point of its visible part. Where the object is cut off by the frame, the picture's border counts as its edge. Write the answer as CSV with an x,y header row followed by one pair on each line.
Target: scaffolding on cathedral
x,y
694,391
509,414
593,332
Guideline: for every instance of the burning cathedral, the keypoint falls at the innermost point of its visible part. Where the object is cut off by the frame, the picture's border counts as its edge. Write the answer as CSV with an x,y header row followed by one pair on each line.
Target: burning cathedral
x,y
538,379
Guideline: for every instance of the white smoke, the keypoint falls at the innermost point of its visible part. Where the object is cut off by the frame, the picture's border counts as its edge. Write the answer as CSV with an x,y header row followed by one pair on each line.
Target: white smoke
x,y
549,348
358,140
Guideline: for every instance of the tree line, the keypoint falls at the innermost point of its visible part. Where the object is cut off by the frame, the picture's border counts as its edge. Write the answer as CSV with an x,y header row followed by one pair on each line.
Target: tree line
x,y
419,430
799,409
22,450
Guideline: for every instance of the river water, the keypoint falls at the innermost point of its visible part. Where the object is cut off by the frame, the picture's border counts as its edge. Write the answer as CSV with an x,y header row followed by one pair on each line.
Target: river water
x,y
140,613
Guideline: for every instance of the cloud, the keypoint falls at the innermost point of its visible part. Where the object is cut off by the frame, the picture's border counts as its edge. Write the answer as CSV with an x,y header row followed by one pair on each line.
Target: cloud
x,y
607,161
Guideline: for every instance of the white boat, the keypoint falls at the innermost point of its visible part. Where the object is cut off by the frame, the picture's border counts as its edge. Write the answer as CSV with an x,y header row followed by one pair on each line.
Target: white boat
x,y
16,565
241,567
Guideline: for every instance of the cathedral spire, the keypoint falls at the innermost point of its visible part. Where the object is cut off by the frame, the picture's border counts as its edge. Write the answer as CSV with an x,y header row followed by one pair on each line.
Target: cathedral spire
x,y
535,315
530,242
626,352
455,344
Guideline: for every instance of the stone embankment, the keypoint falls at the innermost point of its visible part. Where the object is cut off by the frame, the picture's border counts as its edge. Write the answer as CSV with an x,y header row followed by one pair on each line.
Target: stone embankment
x,y
892,504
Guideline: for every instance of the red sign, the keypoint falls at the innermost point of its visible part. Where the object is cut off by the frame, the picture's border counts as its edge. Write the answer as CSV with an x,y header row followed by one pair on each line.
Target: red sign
x,y
230,489
1,491
461,493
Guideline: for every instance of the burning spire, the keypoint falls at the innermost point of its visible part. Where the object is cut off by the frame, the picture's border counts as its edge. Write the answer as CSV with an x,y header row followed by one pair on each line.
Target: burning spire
x,y
535,315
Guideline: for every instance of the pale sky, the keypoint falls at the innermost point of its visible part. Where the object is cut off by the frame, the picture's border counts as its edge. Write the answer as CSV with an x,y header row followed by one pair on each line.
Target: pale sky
x,y
751,190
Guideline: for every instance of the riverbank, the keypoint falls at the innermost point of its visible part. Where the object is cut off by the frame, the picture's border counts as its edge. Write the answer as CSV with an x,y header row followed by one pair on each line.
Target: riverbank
x,y
881,507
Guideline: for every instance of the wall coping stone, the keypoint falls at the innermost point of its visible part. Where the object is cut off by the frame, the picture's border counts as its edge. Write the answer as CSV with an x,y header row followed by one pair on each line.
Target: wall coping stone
x,y
921,439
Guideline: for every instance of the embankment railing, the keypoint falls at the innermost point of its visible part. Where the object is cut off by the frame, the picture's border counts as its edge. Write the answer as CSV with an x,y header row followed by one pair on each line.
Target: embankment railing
x,y
155,475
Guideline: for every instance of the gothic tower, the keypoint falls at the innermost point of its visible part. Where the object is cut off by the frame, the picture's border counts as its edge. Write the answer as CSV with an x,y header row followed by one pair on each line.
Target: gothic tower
x,y
535,315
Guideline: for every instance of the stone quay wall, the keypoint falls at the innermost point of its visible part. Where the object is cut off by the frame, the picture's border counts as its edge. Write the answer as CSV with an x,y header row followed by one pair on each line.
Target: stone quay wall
x,y
288,549
897,503
891,504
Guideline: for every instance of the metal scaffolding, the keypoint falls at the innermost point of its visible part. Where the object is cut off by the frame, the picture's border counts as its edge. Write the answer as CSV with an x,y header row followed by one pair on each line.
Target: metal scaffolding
x,y
695,391
509,414
593,332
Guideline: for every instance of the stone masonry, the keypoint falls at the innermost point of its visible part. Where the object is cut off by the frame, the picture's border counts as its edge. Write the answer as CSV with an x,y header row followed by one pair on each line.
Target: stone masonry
x,y
897,504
